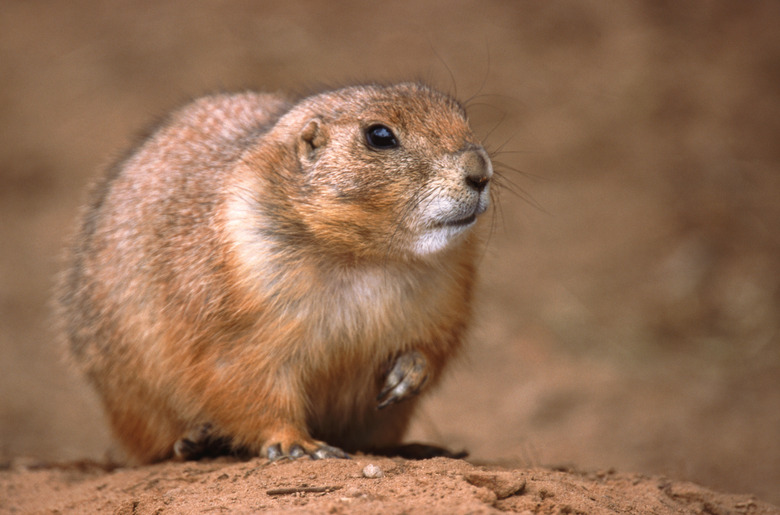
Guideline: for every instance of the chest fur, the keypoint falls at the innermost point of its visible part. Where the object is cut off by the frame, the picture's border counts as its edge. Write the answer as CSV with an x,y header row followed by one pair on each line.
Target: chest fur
x,y
366,308
378,309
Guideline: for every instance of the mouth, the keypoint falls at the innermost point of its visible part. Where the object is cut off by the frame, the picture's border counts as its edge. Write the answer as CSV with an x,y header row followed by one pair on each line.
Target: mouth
x,y
464,221
461,222
440,233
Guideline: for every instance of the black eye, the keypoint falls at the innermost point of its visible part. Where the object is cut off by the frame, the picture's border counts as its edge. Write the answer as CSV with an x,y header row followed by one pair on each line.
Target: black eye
x,y
380,137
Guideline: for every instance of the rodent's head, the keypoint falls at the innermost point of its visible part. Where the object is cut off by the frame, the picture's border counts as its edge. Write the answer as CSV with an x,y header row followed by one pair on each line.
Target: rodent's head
x,y
388,170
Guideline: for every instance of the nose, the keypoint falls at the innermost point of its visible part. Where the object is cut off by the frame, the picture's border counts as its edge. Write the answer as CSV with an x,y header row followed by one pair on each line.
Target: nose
x,y
477,168
477,182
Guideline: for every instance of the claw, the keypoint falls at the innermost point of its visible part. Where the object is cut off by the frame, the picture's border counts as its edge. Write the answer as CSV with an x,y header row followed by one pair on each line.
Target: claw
x,y
201,442
185,449
274,452
296,451
323,451
404,380
327,451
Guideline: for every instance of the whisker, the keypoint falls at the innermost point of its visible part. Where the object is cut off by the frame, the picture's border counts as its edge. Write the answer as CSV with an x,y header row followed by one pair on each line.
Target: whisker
x,y
409,208
529,175
454,84
495,212
500,148
496,126
504,183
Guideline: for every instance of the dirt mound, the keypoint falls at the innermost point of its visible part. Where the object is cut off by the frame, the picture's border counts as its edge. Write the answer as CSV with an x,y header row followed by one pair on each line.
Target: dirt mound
x,y
366,484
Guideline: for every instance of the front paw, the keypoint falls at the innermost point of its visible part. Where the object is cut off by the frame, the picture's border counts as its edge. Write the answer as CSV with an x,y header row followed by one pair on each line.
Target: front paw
x,y
405,379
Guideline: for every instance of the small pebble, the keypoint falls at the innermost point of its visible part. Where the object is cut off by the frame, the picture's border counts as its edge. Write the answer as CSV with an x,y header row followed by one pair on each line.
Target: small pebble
x,y
353,493
372,471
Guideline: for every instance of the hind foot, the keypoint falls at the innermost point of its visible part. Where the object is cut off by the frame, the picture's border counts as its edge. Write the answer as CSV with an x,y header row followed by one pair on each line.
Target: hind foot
x,y
291,443
200,442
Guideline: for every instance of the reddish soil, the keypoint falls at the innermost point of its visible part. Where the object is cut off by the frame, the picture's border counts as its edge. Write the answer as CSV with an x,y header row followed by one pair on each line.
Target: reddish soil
x,y
438,485
627,317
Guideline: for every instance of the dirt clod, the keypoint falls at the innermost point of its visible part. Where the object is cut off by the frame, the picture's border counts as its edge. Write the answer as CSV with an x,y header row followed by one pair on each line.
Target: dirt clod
x,y
503,484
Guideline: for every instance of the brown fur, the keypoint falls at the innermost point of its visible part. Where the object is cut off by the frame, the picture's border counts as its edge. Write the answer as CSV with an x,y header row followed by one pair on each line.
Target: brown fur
x,y
254,268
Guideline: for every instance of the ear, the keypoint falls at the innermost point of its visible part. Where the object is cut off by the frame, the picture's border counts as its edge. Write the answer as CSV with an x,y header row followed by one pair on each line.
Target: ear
x,y
313,136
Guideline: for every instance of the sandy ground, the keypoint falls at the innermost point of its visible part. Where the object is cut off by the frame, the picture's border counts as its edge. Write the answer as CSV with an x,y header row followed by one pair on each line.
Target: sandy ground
x,y
362,485
628,313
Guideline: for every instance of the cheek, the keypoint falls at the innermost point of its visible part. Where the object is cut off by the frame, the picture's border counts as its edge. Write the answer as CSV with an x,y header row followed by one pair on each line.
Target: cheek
x,y
438,198
365,185
370,205
363,215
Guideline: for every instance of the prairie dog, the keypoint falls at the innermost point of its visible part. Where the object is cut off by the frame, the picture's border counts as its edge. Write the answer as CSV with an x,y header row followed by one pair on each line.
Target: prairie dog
x,y
276,276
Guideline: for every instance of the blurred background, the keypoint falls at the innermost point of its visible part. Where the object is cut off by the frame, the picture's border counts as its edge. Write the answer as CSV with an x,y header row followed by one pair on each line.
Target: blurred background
x,y
629,308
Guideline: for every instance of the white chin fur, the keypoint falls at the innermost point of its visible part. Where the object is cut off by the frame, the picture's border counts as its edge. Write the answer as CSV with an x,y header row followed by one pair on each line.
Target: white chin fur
x,y
436,239
440,210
